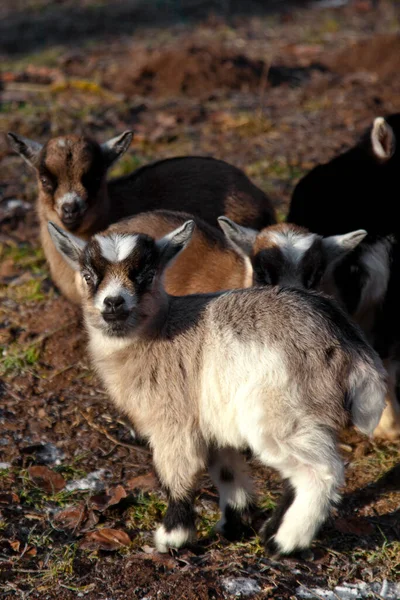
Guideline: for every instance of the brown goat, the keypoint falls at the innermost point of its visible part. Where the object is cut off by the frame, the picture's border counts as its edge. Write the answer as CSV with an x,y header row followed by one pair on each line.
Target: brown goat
x,y
73,191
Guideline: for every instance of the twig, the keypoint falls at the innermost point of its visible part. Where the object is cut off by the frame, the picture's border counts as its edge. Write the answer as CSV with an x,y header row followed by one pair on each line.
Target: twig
x,y
112,438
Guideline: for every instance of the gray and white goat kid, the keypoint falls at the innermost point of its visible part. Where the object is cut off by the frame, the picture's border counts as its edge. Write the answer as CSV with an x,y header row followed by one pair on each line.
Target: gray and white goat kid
x,y
279,371
355,273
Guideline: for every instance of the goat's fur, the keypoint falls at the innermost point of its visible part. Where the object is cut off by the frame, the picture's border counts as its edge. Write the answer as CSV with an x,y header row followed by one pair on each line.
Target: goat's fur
x,y
359,188
74,193
279,371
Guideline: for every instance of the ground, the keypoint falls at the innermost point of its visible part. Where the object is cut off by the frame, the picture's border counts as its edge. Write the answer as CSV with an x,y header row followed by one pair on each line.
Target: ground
x,y
274,92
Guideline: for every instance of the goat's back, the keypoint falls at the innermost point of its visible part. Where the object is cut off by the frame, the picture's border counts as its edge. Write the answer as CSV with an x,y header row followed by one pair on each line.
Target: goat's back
x,y
205,187
208,264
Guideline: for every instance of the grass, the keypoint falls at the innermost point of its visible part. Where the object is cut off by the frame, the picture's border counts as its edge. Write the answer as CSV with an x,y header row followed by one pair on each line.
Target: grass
x,y
126,164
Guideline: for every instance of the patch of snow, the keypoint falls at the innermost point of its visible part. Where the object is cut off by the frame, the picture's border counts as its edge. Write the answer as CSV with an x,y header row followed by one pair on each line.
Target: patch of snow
x,y
353,591
93,481
241,586
5,465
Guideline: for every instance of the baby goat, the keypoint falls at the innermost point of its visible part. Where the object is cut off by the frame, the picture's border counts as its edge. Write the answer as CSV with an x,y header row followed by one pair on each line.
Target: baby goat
x,y
359,188
73,191
279,371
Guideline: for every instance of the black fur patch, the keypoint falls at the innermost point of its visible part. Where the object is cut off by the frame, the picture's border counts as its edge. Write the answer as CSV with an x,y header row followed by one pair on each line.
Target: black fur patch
x,y
272,525
226,475
180,513
234,527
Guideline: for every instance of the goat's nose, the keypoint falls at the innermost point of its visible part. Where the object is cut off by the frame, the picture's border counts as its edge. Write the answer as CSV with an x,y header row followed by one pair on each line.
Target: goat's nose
x,y
114,303
71,209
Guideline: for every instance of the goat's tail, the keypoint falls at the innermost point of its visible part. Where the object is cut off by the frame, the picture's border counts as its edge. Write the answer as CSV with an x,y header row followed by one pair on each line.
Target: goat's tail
x,y
366,392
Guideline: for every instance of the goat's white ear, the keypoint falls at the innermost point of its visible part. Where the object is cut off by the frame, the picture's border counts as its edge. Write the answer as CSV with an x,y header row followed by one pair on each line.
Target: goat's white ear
x,y
383,140
171,244
243,237
116,147
28,149
68,245
337,246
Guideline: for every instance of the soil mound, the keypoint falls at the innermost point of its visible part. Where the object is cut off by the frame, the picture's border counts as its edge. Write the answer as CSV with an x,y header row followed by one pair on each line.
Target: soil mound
x,y
192,71
379,55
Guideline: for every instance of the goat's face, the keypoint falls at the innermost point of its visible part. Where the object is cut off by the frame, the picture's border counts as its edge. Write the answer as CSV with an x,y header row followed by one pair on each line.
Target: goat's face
x,y
289,255
360,280
71,172
121,275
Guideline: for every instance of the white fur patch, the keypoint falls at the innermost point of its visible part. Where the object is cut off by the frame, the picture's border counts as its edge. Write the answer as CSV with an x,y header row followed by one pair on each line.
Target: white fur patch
x,y
176,538
114,288
116,247
61,143
68,199
379,128
292,243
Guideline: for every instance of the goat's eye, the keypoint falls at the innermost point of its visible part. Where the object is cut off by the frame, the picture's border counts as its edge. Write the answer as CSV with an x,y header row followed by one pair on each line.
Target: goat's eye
x,y
87,277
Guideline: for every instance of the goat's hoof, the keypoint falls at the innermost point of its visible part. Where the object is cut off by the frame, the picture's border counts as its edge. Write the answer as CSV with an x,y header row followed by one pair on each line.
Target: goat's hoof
x,y
173,539
235,531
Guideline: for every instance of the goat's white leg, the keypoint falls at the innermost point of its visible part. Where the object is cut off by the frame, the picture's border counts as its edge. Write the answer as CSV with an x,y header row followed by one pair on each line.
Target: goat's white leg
x,y
178,464
229,473
313,473
389,425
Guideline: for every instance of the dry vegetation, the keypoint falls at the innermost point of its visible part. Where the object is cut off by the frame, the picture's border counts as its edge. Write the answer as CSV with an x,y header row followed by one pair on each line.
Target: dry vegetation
x,y
273,93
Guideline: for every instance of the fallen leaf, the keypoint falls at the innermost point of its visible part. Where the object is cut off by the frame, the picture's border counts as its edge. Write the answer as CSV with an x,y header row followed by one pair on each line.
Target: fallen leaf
x,y
15,545
354,526
90,522
46,479
111,497
70,518
31,551
105,539
144,483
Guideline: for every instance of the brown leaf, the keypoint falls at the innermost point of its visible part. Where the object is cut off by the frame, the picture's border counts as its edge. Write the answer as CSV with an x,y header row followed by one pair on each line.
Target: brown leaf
x,y
90,522
354,526
70,518
111,497
15,545
31,551
9,498
144,483
46,479
105,539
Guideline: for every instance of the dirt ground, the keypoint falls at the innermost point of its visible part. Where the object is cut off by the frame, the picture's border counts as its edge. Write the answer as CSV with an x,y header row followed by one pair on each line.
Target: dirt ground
x,y
272,91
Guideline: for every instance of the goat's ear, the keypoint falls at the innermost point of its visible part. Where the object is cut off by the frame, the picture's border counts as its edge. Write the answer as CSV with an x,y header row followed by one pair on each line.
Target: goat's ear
x,y
69,246
28,149
383,140
171,244
337,246
243,237
116,147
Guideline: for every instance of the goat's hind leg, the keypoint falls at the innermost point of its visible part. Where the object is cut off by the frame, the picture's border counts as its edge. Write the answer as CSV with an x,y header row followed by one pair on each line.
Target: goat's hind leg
x,y
229,473
313,471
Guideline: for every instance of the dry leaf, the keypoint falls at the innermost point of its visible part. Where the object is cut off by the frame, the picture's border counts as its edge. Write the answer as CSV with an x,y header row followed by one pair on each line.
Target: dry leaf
x,y
15,545
105,539
90,522
70,518
48,480
354,526
144,483
111,497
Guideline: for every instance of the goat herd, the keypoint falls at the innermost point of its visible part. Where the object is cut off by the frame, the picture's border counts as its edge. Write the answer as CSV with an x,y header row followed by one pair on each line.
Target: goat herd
x,y
207,331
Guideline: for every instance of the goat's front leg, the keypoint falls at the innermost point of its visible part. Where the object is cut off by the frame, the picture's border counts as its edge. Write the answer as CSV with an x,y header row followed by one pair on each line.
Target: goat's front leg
x,y
178,465
229,473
